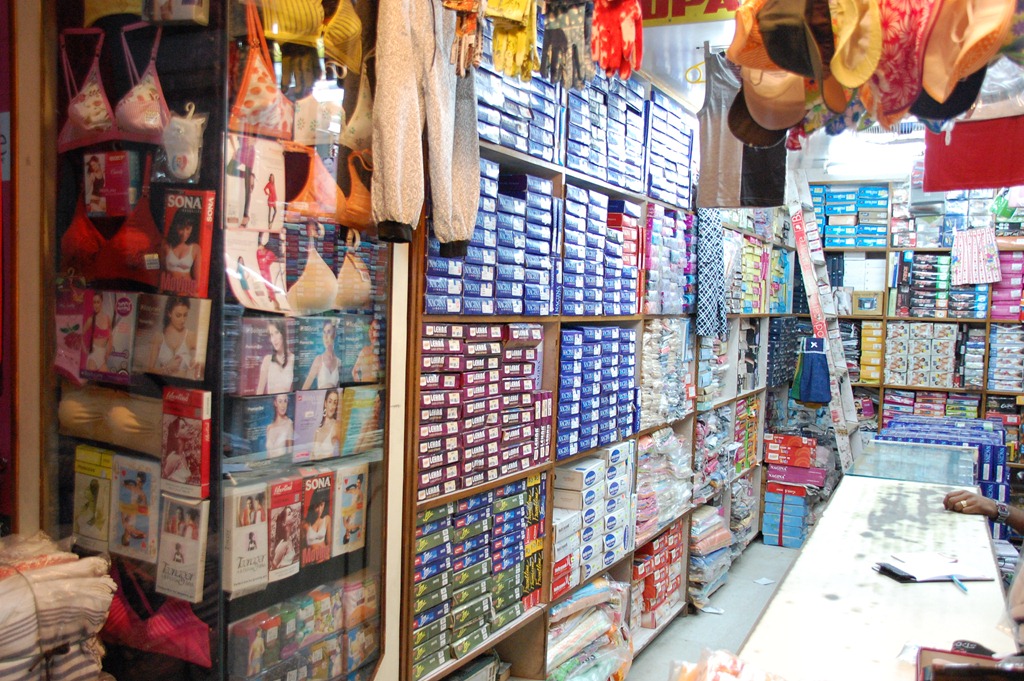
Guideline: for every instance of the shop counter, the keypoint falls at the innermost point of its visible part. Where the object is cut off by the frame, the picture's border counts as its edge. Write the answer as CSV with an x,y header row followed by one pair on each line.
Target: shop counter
x,y
835,618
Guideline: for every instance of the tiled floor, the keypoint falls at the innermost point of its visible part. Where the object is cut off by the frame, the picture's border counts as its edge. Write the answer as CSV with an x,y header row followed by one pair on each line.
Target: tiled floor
x,y
741,598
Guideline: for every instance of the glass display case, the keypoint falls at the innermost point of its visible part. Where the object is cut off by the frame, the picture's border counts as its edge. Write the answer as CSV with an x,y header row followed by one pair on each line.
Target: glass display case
x,y
220,306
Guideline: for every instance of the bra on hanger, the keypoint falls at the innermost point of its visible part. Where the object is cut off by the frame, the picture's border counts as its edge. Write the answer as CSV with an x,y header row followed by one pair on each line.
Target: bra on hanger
x,y
90,118
260,107
132,253
142,113
173,629
320,197
140,116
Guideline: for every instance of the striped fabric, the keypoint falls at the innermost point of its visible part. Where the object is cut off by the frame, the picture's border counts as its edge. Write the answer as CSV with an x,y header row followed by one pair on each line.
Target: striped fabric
x,y
343,37
293,21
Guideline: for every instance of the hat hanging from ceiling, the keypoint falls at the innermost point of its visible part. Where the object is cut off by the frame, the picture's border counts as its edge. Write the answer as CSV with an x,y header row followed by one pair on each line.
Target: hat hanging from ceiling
x,y
858,40
788,39
747,47
966,35
798,36
775,99
1013,46
959,101
896,83
747,130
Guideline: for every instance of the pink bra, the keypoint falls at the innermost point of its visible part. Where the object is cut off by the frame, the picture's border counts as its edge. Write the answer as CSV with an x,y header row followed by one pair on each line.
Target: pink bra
x,y
140,116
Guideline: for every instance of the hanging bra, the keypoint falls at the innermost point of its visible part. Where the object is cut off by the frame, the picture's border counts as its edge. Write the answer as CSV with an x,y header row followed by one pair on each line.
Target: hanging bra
x,y
140,116
315,289
90,118
320,197
260,107
132,253
173,629
142,113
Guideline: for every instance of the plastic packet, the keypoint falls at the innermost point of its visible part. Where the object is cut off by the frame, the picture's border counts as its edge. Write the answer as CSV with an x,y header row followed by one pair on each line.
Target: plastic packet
x,y
179,157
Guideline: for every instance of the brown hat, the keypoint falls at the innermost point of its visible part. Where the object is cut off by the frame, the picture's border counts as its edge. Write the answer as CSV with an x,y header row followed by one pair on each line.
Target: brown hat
x,y
747,130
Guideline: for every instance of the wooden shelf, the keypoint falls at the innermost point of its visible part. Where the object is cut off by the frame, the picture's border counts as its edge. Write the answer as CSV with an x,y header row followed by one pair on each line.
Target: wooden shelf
x,y
640,541
602,572
974,391
488,643
865,385
922,249
477,489
643,637
486,319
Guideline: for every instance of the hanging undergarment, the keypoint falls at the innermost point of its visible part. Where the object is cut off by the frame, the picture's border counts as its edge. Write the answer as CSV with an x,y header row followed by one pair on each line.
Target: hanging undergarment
x,y
90,118
142,113
260,107
320,197
132,253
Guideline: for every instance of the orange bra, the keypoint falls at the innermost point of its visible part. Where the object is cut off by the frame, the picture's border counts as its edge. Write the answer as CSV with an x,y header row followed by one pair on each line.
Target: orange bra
x,y
320,197
132,253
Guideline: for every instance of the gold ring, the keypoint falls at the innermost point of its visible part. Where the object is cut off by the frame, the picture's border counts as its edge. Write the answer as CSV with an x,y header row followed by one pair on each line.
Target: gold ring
x,y
961,505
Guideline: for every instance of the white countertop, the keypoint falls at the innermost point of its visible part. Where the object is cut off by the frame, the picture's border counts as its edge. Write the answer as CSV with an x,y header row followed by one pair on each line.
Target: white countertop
x,y
835,618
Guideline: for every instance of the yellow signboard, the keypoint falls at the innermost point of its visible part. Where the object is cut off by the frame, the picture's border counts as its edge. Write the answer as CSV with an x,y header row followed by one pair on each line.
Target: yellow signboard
x,y
667,12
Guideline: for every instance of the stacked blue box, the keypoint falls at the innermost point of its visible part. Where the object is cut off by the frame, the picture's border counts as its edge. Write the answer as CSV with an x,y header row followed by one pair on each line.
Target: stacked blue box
x,y
527,288
625,130
784,522
576,228
583,152
597,388
670,138
622,258
519,115
988,437
852,216
872,216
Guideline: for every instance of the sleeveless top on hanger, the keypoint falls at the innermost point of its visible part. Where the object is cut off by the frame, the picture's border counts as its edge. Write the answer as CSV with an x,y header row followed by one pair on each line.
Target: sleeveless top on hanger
x,y
732,174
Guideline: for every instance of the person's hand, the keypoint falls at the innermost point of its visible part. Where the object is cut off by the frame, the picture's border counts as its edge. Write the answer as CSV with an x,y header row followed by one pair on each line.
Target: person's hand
x,y
962,501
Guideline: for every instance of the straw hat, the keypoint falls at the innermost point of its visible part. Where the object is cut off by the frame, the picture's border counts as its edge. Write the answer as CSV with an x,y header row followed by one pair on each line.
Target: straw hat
x,y
965,36
747,47
858,39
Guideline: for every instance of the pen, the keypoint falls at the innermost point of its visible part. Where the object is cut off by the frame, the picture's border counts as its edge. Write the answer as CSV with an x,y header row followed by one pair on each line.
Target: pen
x,y
960,585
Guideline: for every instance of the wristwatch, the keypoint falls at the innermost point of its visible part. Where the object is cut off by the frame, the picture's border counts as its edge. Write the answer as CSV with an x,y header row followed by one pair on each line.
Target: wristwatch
x,y
1002,512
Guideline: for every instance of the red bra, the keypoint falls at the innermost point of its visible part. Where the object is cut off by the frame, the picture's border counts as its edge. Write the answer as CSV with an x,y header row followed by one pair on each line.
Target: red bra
x,y
172,630
320,197
132,253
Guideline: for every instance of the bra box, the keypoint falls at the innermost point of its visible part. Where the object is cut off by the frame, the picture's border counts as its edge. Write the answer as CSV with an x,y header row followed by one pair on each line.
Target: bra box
x,y
113,183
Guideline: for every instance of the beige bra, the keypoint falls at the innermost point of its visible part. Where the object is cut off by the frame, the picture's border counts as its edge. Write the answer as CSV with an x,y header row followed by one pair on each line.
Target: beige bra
x,y
111,416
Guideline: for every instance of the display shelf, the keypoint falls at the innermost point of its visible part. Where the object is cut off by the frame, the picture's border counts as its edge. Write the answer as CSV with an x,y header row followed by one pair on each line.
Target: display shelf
x,y
848,249
579,179
488,319
889,386
643,637
640,541
488,643
866,385
519,161
726,401
1017,465
601,573
572,319
479,489
921,249
668,424
1004,393
743,473
861,317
